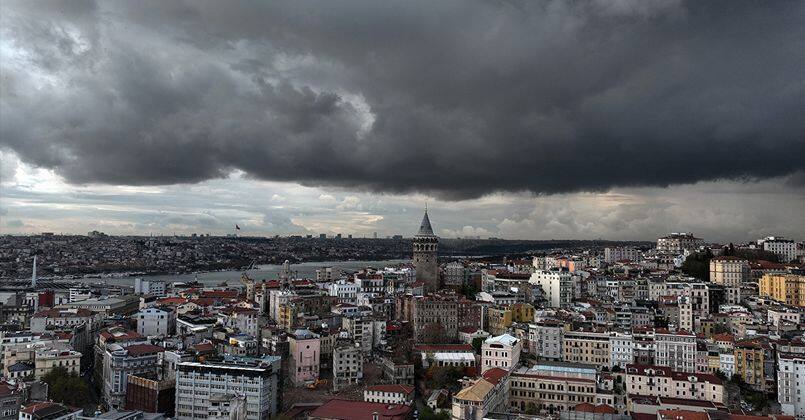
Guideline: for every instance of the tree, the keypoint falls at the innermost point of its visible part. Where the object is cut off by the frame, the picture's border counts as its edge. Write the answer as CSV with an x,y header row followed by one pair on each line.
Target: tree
x,y
698,265
444,377
531,408
477,342
427,414
67,388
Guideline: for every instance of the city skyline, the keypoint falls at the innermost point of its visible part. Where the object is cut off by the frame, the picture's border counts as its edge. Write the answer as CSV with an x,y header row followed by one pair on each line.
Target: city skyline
x,y
121,120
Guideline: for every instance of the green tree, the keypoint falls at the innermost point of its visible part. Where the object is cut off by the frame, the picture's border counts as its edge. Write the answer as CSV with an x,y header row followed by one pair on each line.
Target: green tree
x,y
427,414
67,388
477,342
531,408
698,265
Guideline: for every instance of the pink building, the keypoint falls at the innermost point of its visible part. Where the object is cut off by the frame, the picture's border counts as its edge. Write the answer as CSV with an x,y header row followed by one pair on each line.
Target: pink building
x,y
305,354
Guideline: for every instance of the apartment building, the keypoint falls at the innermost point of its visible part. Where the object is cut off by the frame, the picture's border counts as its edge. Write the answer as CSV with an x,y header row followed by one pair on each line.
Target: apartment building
x,y
553,387
587,347
502,351
389,394
676,243
676,350
256,379
119,362
435,311
791,383
786,288
347,364
556,284
46,360
732,273
156,322
658,381
304,356
545,340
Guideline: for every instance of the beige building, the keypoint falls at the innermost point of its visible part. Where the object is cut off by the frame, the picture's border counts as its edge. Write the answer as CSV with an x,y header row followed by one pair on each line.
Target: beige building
x,y
590,348
487,394
552,387
786,288
658,381
731,272
46,360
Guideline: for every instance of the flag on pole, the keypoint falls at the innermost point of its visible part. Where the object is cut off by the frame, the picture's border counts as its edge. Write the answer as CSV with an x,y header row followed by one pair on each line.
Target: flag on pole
x,y
237,227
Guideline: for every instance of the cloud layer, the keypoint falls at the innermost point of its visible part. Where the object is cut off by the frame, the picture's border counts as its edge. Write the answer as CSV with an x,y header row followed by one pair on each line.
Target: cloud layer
x,y
457,99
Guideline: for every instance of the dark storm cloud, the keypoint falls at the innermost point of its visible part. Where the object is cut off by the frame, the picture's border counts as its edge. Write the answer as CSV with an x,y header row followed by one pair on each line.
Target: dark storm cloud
x,y
456,99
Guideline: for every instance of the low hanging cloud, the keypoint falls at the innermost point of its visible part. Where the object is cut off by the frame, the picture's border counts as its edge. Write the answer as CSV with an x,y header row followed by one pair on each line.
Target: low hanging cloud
x,y
453,98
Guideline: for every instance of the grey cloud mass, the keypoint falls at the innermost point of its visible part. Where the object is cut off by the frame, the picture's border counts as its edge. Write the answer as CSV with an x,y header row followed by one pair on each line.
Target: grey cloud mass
x,y
457,99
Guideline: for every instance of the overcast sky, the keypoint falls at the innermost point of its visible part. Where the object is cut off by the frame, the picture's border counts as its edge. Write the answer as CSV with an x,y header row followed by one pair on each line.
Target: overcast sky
x,y
619,119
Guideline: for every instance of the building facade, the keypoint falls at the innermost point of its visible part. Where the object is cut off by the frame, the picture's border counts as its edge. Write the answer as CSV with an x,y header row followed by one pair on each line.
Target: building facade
x,y
256,379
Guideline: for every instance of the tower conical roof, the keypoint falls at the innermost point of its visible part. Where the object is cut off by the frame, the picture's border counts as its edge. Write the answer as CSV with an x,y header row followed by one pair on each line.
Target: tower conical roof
x,y
424,227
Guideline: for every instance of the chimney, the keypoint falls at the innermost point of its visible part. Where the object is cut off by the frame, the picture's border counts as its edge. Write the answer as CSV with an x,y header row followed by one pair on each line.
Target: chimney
x,y
33,275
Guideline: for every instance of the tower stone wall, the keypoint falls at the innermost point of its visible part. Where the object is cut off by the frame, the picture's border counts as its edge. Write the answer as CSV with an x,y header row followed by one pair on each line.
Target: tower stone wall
x,y
426,245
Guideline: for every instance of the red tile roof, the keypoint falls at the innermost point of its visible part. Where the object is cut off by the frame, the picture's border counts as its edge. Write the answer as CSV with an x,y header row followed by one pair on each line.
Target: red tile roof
x,y
220,294
171,301
494,375
142,349
360,410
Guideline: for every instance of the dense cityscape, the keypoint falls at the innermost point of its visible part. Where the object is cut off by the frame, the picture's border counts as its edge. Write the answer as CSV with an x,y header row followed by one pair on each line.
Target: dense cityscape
x,y
402,210
680,325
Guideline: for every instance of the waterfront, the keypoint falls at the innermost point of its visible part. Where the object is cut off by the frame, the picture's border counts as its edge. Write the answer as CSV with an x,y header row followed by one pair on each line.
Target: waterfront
x,y
268,272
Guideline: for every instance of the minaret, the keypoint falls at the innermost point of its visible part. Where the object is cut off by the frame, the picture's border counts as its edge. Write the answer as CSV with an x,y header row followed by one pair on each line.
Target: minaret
x,y
425,247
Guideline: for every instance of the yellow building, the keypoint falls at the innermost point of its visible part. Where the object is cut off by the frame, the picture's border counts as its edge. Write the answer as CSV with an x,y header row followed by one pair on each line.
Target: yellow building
x,y
522,312
286,314
749,363
499,320
786,288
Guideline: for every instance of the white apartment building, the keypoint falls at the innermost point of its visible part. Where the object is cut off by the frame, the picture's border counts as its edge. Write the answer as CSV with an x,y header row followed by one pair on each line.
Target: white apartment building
x,y
502,352
119,362
785,249
156,322
614,254
389,394
256,379
364,330
244,319
675,350
621,347
344,291
663,382
726,364
557,286
150,287
545,340
791,384
347,364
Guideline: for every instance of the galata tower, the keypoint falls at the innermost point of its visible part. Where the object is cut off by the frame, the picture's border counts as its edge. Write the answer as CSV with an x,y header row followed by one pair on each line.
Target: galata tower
x,y
425,247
